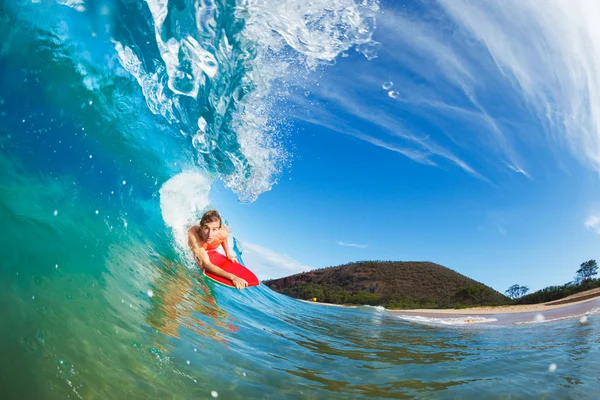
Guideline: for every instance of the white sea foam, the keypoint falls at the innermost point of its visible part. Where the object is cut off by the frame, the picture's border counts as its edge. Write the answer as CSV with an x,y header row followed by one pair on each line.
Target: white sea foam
x,y
183,198
447,321
284,39
378,309
581,317
78,5
153,90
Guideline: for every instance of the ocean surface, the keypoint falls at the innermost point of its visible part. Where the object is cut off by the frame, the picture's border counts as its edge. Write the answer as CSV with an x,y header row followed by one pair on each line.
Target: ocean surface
x,y
116,117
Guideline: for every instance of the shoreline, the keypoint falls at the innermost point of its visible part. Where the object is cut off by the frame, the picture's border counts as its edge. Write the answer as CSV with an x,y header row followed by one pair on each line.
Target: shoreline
x,y
576,299
569,301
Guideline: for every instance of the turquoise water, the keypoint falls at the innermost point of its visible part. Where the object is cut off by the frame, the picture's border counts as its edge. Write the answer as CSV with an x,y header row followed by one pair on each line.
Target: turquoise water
x,y
104,160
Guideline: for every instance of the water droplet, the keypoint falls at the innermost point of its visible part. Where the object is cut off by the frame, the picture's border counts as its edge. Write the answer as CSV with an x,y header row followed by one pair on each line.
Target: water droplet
x,y
91,102
387,85
124,182
369,49
55,213
122,301
202,124
199,142
583,319
150,293
97,212
90,156
195,349
393,94
56,266
214,394
243,373
539,318
188,362
552,367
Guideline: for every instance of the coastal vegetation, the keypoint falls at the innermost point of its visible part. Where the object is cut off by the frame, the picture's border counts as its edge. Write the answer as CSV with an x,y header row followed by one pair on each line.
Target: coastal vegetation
x,y
584,280
390,284
516,291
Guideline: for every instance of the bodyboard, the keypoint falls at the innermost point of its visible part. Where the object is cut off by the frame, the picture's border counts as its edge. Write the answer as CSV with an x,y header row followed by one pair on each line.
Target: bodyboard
x,y
232,267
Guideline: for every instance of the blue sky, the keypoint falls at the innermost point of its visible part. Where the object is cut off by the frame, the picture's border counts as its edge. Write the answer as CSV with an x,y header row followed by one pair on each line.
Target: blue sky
x,y
485,159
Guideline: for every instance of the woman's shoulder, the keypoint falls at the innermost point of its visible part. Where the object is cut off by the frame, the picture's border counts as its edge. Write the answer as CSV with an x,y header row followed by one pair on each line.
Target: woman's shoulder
x,y
193,230
224,231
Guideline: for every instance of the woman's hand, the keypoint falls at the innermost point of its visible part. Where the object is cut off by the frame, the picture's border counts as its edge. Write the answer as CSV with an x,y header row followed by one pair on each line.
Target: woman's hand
x,y
232,258
239,283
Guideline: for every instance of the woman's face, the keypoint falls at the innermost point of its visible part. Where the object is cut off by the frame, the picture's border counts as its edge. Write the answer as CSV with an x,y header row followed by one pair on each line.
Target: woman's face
x,y
210,231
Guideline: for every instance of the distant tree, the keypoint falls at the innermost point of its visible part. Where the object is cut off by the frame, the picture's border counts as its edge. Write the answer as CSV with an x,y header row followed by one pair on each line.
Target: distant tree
x,y
523,290
516,291
586,271
513,291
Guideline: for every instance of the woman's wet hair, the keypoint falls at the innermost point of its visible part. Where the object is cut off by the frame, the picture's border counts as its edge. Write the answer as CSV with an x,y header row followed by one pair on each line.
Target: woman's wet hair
x,y
210,216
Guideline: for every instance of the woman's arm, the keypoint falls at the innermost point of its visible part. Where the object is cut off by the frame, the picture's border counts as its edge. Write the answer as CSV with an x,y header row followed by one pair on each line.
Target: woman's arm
x,y
202,255
225,245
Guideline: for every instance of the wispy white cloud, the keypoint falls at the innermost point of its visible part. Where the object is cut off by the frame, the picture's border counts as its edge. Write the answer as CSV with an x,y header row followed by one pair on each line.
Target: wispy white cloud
x,y
359,246
423,50
593,222
518,170
495,221
393,126
340,127
393,135
455,76
501,230
488,84
550,53
355,103
268,264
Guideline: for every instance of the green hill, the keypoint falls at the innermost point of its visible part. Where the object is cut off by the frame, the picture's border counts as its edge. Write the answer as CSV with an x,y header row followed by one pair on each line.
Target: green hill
x,y
389,283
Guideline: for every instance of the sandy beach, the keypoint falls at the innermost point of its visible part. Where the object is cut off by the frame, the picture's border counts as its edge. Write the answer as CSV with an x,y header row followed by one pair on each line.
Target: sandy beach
x,y
575,299
569,302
